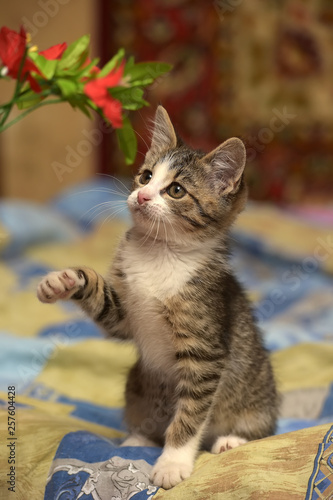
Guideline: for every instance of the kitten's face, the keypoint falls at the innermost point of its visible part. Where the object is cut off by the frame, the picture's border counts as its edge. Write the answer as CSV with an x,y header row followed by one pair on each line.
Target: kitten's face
x,y
179,193
171,196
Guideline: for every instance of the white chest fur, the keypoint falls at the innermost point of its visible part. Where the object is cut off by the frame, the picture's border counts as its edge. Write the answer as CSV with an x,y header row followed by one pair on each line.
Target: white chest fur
x,y
154,272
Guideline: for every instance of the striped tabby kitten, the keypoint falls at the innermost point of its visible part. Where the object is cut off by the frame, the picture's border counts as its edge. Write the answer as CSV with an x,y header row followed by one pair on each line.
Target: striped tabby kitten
x,y
202,377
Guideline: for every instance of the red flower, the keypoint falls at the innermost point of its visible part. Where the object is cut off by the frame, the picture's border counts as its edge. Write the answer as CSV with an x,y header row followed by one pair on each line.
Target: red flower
x,y
54,52
97,91
12,49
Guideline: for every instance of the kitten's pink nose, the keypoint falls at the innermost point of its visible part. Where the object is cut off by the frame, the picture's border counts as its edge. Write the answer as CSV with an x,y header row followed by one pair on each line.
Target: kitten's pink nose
x,y
143,197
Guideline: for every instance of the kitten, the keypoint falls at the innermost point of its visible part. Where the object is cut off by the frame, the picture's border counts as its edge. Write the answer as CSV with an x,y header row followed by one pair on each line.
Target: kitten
x,y
203,376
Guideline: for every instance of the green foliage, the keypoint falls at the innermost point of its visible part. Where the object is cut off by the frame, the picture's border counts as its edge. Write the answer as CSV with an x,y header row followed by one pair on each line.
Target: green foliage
x,y
28,99
127,140
75,53
112,63
47,67
130,98
68,86
66,78
143,74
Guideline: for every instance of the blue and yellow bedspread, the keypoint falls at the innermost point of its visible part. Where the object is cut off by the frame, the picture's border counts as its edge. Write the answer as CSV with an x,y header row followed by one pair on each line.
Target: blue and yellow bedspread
x,y
62,383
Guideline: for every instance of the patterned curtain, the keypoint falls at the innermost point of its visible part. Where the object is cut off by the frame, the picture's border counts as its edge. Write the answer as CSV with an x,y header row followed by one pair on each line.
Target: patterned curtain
x,y
262,71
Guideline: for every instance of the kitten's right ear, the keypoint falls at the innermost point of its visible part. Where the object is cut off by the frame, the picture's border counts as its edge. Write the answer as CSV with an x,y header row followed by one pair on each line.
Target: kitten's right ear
x,y
164,136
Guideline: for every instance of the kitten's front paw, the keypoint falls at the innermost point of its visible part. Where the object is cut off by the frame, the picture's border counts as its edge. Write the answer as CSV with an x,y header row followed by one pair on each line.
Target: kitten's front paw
x,y
167,474
60,285
225,443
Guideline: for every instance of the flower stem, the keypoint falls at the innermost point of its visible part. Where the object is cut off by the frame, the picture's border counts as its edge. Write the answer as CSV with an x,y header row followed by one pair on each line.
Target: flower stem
x,y
4,127
44,93
7,110
16,91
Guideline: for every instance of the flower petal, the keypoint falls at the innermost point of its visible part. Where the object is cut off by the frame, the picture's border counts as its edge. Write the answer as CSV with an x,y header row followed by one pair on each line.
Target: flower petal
x,y
112,111
35,87
114,77
12,45
97,89
97,92
54,52
12,50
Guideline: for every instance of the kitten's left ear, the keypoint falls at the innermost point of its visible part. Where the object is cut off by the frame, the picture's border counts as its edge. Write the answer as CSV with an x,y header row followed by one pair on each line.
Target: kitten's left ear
x,y
227,164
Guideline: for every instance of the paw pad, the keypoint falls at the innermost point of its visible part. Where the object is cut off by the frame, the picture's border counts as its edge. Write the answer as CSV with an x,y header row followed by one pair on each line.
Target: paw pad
x,y
59,285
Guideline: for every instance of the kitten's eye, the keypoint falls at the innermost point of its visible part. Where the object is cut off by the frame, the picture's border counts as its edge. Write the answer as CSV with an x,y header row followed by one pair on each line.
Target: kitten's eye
x,y
145,177
176,191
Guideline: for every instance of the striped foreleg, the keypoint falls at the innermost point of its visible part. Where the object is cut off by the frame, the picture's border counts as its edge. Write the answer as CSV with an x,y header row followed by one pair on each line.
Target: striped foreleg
x,y
90,290
199,375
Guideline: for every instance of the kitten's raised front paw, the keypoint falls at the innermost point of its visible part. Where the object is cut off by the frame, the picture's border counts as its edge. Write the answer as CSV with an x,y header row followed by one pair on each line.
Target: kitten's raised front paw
x,y
60,285
225,443
167,474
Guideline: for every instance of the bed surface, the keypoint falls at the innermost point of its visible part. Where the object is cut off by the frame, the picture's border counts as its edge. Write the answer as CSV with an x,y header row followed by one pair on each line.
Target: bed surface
x,y
69,381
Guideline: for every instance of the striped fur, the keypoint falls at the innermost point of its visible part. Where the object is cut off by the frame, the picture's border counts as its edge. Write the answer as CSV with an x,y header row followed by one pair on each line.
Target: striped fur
x,y
202,377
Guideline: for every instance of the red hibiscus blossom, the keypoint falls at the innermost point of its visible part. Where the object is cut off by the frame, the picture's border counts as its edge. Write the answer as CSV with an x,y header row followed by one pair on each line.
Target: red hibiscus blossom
x,y
12,50
54,52
97,91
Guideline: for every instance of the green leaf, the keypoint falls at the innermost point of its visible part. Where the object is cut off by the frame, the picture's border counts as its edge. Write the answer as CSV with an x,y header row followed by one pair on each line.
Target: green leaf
x,y
81,101
129,64
93,106
75,53
67,87
112,64
127,140
130,98
47,67
29,99
78,70
145,73
77,103
85,72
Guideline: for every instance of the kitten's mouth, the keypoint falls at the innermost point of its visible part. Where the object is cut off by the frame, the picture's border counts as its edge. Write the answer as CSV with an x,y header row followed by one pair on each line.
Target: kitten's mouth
x,y
140,214
145,210
138,209
149,219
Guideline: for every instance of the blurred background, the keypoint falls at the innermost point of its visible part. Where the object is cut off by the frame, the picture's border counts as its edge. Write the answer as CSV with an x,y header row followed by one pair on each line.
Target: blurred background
x,y
262,71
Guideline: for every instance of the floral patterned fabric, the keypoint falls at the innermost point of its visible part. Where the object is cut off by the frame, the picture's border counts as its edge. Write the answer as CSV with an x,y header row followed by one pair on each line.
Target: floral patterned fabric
x,y
69,381
258,70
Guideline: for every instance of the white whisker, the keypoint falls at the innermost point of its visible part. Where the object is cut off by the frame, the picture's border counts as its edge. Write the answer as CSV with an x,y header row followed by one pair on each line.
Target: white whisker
x,y
172,228
156,235
113,214
149,232
127,190
110,204
102,190
165,232
144,141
